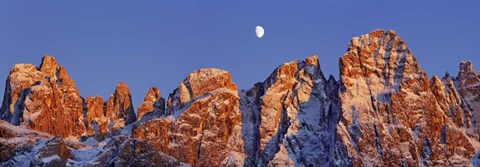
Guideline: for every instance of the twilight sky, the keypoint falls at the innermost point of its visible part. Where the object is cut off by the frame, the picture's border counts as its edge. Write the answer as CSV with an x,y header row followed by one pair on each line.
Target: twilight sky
x,y
159,43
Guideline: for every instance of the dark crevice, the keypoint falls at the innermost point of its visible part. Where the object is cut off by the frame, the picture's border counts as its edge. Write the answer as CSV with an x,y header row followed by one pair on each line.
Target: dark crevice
x,y
274,144
378,143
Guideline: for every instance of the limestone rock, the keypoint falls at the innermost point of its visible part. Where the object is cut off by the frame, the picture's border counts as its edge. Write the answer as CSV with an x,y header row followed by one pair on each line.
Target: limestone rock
x,y
389,113
383,111
24,147
198,84
125,151
153,104
54,153
468,83
10,145
288,119
119,108
96,120
203,122
451,101
43,98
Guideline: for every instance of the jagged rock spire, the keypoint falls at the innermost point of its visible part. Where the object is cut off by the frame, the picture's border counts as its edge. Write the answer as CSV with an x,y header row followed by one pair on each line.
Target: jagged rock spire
x,y
468,83
119,108
36,96
152,104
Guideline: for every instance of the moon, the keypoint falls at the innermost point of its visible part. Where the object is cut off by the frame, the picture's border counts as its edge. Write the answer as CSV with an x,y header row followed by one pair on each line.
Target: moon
x,y
259,31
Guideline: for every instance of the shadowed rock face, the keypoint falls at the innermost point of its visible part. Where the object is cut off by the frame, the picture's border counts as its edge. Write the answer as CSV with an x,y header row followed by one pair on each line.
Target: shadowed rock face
x,y
23,147
36,96
125,151
9,147
389,113
289,119
203,123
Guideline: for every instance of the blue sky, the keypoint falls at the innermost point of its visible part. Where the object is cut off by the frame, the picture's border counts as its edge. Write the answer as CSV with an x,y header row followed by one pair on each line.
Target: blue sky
x,y
158,43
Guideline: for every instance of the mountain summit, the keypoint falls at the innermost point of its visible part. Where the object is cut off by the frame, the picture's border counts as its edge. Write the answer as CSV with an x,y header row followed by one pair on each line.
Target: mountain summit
x,y
383,110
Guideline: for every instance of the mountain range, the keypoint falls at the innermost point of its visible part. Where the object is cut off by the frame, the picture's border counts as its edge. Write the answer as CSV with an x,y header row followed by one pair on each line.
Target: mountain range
x,y
383,110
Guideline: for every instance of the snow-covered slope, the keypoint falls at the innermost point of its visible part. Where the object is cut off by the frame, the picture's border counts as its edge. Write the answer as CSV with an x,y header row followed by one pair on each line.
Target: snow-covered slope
x,y
23,147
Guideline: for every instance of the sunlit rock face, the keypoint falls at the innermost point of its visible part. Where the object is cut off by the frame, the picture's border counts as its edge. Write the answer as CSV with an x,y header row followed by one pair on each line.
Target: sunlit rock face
x,y
153,104
383,111
202,125
43,98
199,83
289,119
96,120
119,108
450,100
389,113
46,99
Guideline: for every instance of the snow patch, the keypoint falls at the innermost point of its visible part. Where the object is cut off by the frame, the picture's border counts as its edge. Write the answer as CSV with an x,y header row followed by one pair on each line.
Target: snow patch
x,y
50,158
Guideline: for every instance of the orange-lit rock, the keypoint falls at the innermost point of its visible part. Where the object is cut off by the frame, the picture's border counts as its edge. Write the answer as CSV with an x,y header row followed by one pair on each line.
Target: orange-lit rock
x,y
153,104
43,98
203,122
389,113
96,120
119,108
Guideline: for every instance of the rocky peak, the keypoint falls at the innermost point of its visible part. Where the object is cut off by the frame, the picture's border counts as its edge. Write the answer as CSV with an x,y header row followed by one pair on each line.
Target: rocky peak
x,y
383,111
34,96
383,88
383,54
206,80
375,65
119,108
312,60
152,94
468,83
203,125
466,67
288,115
437,83
467,75
152,103
197,84
49,65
